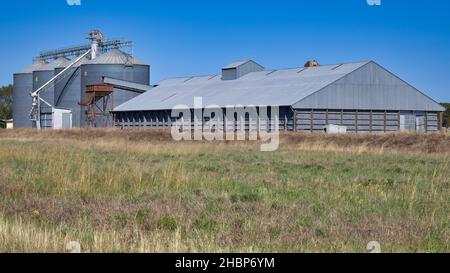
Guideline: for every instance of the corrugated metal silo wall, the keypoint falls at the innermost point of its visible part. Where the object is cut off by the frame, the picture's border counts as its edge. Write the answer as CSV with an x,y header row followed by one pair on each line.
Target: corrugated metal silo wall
x,y
68,94
94,73
59,85
39,79
122,96
23,85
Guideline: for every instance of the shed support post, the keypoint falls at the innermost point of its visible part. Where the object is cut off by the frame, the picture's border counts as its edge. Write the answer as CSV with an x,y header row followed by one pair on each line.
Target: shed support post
x,y
139,120
152,119
295,121
286,122
258,122
157,120
113,105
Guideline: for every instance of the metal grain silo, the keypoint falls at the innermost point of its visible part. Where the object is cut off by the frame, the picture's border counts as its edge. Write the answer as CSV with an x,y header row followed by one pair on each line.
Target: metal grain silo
x,y
43,74
117,65
22,87
40,77
68,90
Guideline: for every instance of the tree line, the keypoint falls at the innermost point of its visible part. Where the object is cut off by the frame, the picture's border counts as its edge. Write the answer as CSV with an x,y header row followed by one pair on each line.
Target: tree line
x,y
446,120
5,104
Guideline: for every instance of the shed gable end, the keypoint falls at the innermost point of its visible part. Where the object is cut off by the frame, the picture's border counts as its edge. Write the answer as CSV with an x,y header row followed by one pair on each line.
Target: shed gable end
x,y
370,87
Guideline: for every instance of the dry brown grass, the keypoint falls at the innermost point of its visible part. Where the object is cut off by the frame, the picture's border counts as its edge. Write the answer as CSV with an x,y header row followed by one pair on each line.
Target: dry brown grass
x,y
138,191
412,142
406,142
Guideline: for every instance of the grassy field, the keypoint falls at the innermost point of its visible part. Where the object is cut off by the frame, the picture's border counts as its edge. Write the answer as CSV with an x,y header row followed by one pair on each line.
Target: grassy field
x,y
137,191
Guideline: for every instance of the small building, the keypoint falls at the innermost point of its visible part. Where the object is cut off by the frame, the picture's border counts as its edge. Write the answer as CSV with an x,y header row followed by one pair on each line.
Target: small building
x,y
9,124
6,124
362,97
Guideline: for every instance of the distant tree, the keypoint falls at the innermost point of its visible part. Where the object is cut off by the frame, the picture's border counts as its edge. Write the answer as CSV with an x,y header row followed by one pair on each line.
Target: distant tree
x,y
6,102
446,121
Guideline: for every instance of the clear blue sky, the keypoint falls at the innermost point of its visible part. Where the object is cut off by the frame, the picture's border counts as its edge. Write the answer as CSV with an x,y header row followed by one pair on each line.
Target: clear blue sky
x,y
182,38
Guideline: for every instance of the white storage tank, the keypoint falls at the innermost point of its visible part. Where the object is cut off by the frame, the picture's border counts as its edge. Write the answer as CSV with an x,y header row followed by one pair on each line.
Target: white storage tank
x,y
335,129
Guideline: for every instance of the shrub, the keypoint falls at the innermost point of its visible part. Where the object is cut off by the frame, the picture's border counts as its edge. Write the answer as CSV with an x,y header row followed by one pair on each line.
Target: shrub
x,y
168,223
5,103
446,120
205,224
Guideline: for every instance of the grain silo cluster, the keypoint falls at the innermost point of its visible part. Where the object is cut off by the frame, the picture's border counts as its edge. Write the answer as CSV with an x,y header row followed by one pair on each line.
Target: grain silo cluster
x,y
66,84
99,85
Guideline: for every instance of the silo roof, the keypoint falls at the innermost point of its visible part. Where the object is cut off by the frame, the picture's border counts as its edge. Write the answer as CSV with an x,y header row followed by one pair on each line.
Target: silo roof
x,y
115,56
68,62
52,65
31,68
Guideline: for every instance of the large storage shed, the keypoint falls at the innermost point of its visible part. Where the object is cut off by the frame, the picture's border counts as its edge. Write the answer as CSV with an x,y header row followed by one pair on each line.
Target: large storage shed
x,y
363,96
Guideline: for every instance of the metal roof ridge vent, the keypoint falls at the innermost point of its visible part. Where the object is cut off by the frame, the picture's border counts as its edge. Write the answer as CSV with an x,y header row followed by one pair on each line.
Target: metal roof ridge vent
x,y
336,67
271,72
238,69
301,70
189,79
169,97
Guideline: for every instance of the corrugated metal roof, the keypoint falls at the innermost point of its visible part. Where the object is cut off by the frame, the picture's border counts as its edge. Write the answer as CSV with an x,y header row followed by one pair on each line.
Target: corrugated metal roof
x,y
67,63
52,65
31,68
236,64
115,56
127,84
274,87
